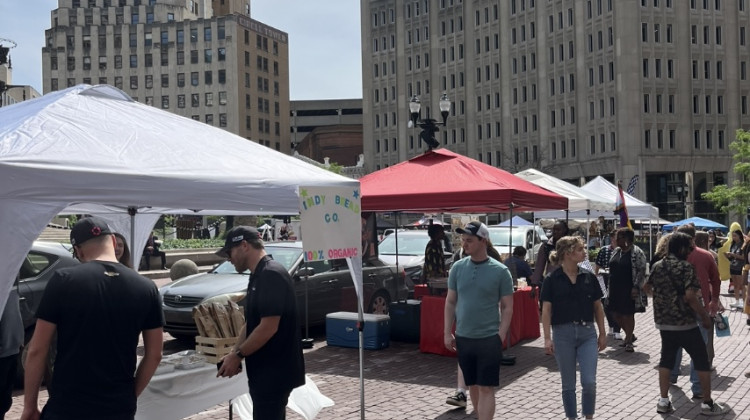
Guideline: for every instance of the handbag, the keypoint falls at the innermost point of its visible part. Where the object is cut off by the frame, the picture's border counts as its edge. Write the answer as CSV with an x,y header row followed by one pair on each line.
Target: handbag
x,y
721,325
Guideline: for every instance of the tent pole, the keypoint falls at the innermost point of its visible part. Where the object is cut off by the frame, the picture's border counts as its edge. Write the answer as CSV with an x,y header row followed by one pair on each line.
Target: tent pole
x,y
132,211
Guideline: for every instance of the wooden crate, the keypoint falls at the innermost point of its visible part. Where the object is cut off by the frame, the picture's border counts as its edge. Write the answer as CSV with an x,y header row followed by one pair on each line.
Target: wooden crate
x,y
214,348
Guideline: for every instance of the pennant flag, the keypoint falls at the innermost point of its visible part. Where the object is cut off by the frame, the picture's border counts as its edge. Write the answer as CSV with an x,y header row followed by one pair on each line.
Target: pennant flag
x,y
621,209
631,185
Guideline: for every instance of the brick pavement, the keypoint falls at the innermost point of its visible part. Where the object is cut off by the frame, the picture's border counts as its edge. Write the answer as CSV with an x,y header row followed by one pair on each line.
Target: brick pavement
x,y
402,383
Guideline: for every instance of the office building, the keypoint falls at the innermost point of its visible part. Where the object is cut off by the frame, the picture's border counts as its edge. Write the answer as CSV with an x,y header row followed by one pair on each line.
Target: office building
x,y
328,128
654,88
206,60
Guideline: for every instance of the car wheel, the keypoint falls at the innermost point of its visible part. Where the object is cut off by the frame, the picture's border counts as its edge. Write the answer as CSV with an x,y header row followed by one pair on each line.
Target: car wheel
x,y
379,303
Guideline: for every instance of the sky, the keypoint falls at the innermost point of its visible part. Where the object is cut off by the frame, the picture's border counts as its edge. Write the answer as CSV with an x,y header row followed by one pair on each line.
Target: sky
x,y
324,42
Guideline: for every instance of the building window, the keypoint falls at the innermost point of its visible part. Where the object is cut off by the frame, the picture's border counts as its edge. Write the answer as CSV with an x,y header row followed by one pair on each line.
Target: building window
x,y
165,102
180,101
133,61
164,80
194,78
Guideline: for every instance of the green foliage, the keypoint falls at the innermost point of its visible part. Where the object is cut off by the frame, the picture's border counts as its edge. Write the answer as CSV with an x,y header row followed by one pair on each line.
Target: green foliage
x,y
593,253
737,197
192,243
335,168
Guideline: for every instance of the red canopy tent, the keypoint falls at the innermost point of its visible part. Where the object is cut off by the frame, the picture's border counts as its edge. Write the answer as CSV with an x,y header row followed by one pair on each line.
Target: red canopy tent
x,y
447,182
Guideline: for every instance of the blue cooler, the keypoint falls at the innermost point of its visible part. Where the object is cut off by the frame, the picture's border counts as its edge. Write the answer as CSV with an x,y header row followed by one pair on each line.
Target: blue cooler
x,y
341,330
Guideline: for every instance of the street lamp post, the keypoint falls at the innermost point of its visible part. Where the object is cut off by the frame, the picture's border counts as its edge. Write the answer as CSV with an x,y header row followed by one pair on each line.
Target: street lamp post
x,y
429,126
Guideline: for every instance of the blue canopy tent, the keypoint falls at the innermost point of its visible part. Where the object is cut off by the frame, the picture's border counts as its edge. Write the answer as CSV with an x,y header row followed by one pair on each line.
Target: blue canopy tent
x,y
516,221
699,222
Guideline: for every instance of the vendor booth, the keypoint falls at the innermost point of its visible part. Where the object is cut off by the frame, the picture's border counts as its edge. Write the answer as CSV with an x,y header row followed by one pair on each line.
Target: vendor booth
x,y
441,181
96,145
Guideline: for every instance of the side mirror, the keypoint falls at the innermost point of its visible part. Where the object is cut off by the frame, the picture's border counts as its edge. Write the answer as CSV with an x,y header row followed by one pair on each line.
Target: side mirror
x,y
305,271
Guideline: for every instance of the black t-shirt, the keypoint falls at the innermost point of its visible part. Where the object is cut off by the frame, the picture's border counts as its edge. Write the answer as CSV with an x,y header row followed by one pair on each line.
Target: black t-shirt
x,y
571,302
278,366
100,309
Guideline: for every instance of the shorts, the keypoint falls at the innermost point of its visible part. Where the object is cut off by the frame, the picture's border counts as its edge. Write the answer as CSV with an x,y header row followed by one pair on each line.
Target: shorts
x,y
479,359
691,340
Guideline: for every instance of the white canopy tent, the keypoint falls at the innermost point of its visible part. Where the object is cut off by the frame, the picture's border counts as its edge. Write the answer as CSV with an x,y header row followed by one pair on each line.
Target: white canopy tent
x,y
578,198
637,209
95,145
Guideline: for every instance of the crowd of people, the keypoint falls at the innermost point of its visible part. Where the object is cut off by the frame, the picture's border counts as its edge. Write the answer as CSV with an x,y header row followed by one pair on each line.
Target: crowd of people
x,y
576,299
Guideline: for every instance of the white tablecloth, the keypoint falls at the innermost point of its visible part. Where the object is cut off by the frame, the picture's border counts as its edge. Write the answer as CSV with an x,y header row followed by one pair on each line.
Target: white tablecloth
x,y
179,394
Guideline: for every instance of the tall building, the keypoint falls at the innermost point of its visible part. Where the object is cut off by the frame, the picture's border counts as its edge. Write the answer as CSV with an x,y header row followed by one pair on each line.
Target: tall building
x,y
654,88
206,60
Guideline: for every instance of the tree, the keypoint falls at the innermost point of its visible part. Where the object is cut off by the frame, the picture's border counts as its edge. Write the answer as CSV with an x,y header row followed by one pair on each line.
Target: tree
x,y
737,197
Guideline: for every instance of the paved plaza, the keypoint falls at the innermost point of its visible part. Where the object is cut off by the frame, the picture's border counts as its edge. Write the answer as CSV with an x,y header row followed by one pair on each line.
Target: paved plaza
x,y
402,383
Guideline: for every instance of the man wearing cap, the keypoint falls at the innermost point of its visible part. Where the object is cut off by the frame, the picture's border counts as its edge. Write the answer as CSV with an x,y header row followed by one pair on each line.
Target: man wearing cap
x,y
98,310
270,343
476,287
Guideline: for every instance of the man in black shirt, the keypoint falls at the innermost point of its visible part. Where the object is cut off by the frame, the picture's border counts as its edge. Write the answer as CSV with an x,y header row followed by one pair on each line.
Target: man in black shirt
x,y
98,309
271,342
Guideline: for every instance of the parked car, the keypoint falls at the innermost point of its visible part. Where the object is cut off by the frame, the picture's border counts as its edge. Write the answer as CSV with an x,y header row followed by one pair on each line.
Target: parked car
x,y
530,237
327,284
37,268
410,255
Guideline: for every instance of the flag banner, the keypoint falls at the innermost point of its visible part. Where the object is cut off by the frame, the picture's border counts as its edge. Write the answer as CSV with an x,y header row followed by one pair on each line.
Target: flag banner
x,y
621,209
631,185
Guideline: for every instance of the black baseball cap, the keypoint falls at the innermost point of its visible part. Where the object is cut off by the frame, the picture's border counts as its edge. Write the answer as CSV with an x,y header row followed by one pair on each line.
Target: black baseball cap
x,y
88,228
235,236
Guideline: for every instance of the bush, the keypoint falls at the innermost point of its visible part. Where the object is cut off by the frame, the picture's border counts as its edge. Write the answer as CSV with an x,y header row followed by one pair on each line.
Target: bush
x,y
192,243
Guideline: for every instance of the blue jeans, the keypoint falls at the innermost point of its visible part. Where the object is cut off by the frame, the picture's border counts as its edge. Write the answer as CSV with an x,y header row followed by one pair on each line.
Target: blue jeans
x,y
577,343
695,384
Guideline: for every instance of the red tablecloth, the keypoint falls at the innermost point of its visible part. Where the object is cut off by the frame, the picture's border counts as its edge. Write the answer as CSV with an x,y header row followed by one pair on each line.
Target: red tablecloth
x,y
524,324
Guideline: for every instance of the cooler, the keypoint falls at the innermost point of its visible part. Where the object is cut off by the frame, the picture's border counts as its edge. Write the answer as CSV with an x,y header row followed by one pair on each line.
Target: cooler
x,y
341,330
405,320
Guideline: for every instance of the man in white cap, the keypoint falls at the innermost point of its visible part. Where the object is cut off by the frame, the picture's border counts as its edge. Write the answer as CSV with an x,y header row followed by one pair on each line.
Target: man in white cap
x,y
482,284
98,310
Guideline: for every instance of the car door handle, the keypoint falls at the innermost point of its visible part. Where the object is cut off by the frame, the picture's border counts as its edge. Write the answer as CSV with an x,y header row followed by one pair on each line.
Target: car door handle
x,y
334,281
21,298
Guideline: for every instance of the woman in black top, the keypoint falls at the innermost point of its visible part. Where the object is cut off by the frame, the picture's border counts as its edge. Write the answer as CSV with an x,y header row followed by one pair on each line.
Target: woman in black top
x,y
571,302
737,258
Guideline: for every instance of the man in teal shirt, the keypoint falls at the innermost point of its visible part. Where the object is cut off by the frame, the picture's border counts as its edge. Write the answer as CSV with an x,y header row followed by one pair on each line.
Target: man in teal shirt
x,y
476,287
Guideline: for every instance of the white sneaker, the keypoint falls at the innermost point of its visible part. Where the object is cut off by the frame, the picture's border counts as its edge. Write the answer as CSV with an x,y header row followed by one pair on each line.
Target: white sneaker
x,y
618,336
737,305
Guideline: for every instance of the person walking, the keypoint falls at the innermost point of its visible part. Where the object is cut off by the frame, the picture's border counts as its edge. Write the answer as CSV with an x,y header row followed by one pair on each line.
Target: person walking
x,y
98,310
476,287
676,291
572,311
627,273
270,343
602,263
708,275
737,257
543,266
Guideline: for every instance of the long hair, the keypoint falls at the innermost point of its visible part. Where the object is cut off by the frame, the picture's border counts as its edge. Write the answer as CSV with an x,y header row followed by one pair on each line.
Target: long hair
x,y
125,259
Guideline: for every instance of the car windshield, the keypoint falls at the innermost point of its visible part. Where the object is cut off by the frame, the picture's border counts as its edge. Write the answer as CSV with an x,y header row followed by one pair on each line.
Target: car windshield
x,y
285,255
407,244
501,236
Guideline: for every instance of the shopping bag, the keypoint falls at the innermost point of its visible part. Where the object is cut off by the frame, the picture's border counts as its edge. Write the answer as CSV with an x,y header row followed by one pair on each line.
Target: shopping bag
x,y
721,325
